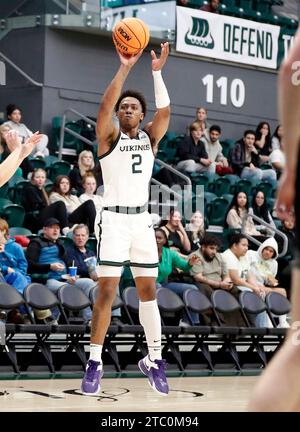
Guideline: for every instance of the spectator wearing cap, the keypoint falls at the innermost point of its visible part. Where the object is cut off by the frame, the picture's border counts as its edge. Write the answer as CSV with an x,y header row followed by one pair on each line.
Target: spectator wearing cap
x,y
14,116
46,255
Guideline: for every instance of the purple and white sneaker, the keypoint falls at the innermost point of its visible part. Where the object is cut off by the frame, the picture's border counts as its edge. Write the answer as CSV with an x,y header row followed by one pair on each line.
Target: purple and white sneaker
x,y
155,371
91,383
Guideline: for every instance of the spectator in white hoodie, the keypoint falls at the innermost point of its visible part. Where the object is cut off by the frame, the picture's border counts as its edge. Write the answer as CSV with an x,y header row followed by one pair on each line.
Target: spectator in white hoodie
x,y
264,267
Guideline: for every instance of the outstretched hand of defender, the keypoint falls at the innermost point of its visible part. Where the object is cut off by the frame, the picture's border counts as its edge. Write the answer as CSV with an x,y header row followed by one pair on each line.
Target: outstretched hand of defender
x,y
13,140
29,144
158,63
285,196
129,60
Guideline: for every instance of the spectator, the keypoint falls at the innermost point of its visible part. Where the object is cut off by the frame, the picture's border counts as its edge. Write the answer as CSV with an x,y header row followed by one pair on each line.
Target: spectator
x,y
213,6
263,141
201,118
46,255
25,166
35,199
195,230
86,164
210,273
239,272
89,185
191,152
168,261
176,234
13,267
244,160
277,138
14,115
214,151
77,212
260,209
277,159
263,266
237,212
284,263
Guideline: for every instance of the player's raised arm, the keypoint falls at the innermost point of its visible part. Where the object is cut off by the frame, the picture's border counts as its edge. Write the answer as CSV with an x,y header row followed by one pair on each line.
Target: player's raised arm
x,y
160,122
107,132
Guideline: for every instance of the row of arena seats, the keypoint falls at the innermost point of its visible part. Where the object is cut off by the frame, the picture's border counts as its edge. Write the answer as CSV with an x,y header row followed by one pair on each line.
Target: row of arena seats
x,y
73,333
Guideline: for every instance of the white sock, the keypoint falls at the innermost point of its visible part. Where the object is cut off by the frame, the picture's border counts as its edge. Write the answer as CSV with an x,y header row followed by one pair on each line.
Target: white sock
x,y
150,319
283,322
96,352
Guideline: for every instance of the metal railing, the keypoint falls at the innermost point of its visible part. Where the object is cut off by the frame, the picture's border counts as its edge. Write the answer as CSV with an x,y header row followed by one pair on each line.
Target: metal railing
x,y
21,72
270,227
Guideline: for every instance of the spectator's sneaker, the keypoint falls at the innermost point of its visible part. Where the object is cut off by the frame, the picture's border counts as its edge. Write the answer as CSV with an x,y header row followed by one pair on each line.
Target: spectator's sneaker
x,y
91,381
155,371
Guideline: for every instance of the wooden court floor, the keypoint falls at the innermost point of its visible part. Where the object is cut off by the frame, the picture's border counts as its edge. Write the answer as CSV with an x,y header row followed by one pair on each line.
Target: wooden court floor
x,y
194,394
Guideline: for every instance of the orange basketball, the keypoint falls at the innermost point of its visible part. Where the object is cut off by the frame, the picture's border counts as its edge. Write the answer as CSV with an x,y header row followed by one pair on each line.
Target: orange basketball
x,y
130,35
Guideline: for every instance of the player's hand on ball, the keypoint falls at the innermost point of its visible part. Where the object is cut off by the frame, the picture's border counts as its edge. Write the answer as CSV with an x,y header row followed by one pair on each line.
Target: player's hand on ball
x,y
158,63
30,143
127,60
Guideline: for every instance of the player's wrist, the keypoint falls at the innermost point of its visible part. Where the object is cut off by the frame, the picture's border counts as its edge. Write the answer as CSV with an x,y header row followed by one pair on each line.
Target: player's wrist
x,y
162,99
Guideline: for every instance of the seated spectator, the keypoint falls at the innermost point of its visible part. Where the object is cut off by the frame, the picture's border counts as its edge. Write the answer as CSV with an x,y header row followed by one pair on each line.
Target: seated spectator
x,y
176,234
201,118
263,266
284,263
195,230
25,167
86,164
35,199
210,273
46,255
263,141
277,159
77,212
260,209
214,151
277,138
168,261
240,273
14,115
191,152
89,185
237,212
212,7
13,267
245,160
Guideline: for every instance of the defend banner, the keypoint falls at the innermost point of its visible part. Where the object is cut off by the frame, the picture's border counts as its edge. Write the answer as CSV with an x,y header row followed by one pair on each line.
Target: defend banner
x,y
226,38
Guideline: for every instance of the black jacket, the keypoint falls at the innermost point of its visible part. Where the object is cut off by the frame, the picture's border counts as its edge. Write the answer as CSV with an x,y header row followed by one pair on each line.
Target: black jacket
x,y
33,253
33,198
188,150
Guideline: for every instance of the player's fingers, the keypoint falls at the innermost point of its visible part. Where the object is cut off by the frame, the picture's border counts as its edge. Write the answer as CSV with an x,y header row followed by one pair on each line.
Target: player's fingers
x,y
153,55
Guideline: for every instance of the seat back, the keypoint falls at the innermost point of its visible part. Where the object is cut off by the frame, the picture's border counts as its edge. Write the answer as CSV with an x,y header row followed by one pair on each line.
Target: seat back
x,y
224,302
277,303
170,306
14,214
251,305
196,301
72,298
14,231
40,297
10,298
131,304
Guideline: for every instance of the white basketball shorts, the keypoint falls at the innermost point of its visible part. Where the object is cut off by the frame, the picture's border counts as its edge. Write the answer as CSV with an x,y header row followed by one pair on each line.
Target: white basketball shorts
x,y
126,239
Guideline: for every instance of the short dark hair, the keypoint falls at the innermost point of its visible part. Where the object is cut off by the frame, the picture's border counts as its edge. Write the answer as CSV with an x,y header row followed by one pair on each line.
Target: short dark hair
x,y
215,128
210,240
11,108
249,132
235,238
135,94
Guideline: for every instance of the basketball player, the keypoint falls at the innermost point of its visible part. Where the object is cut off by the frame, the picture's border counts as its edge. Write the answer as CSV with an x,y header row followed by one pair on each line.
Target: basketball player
x,y
18,153
126,156
279,387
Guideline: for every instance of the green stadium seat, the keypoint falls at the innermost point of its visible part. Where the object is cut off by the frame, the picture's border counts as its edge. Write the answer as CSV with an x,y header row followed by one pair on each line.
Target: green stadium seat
x,y
227,145
49,160
13,231
58,168
267,187
217,211
244,185
221,186
38,163
16,191
4,202
48,186
14,214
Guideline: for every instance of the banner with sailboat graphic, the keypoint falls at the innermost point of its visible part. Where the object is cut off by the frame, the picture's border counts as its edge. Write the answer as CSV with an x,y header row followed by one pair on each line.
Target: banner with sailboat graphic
x,y
226,38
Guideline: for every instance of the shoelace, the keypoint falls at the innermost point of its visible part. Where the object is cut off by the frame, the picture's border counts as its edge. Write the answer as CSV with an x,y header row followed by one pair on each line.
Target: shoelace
x,y
92,368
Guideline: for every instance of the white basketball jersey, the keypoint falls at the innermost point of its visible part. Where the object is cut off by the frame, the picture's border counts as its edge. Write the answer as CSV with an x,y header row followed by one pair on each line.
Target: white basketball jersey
x,y
127,170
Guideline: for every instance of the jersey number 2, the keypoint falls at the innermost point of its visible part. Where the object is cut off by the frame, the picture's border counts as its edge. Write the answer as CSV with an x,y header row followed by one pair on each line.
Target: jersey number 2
x,y
135,169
